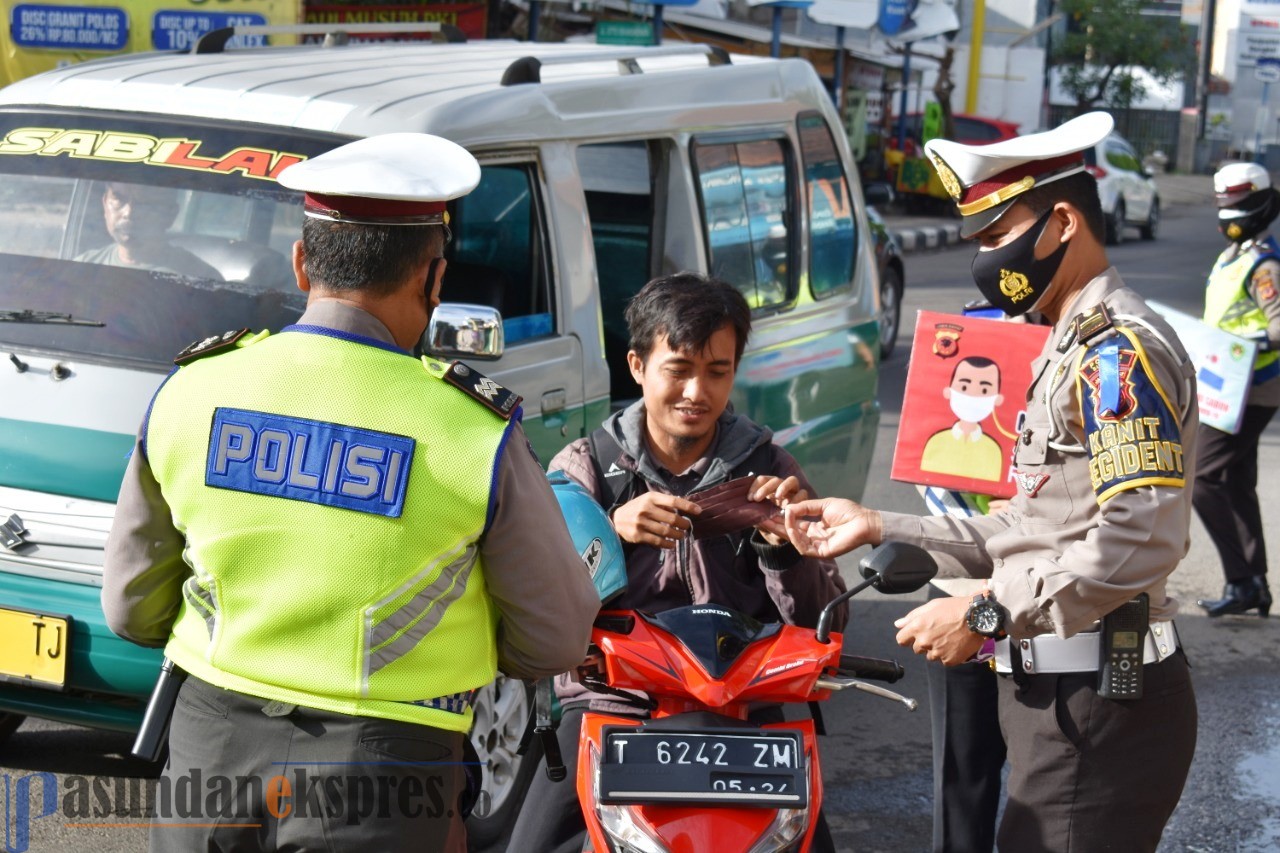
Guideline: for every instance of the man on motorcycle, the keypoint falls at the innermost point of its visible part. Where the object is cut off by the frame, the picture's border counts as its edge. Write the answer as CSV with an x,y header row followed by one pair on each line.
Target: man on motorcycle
x,y
688,333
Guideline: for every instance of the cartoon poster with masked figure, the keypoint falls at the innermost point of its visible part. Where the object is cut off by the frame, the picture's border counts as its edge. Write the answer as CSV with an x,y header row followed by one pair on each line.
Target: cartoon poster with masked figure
x,y
965,398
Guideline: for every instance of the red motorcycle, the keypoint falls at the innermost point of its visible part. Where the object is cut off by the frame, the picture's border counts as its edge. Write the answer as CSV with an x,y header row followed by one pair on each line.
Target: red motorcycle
x,y
697,775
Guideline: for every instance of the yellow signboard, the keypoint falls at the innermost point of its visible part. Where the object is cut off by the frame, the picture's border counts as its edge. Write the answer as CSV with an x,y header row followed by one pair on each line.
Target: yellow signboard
x,y
49,34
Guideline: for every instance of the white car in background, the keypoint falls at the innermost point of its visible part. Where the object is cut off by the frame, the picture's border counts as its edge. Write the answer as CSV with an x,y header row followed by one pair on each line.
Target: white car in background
x,y
1128,193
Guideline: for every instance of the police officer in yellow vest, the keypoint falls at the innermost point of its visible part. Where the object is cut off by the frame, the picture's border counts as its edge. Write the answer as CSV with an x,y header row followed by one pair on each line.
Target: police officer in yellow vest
x,y
1242,298
338,541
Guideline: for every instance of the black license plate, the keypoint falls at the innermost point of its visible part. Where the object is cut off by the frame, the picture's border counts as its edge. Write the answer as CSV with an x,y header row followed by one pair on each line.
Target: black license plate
x,y
757,767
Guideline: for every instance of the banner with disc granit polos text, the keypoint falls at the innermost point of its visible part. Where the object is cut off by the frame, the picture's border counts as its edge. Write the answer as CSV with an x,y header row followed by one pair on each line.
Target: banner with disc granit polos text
x,y
44,35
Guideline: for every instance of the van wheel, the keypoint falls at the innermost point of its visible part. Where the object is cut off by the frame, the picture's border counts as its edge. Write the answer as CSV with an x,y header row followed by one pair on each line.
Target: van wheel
x,y
890,310
9,724
501,715
1148,230
1115,225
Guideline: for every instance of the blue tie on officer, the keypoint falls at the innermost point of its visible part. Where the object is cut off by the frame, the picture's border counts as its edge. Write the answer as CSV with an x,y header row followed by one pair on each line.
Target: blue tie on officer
x,y
338,541
1101,517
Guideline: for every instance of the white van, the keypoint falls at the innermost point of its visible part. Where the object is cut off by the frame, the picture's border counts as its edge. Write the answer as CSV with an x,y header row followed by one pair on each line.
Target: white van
x,y
601,168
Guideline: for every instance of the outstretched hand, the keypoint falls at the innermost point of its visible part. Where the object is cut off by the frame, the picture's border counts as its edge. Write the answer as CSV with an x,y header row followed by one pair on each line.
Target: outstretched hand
x,y
829,527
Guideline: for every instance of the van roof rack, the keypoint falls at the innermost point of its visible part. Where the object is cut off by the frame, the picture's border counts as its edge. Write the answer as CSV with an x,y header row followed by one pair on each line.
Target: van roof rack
x,y
335,34
528,69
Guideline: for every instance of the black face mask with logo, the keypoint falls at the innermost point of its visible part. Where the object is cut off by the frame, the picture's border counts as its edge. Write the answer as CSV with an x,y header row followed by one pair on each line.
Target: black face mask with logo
x,y
1263,207
1010,277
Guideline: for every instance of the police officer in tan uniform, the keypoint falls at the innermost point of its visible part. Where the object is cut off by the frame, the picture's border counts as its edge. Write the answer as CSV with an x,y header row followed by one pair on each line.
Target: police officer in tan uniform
x,y
1104,471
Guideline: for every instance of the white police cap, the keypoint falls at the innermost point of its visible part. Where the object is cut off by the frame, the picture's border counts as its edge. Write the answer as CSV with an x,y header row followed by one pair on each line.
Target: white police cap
x,y
1235,183
390,179
984,180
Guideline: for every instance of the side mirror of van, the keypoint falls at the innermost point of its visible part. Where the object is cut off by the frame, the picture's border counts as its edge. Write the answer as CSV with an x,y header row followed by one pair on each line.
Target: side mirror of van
x,y
878,193
463,330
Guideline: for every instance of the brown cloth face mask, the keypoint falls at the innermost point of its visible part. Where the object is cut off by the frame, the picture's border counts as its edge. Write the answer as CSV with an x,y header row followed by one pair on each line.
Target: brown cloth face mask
x,y
728,508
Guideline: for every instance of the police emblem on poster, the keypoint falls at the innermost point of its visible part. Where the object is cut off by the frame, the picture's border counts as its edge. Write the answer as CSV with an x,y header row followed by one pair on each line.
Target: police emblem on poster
x,y
946,339
966,389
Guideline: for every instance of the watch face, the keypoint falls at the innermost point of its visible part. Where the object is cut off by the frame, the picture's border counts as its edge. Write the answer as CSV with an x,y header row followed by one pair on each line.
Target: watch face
x,y
985,620
985,617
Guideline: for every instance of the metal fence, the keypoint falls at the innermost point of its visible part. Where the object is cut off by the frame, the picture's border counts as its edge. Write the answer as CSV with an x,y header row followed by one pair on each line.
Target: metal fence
x,y
1148,131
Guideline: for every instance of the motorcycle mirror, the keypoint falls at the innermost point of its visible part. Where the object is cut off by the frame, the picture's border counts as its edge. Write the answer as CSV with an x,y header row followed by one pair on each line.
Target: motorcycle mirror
x,y
893,568
901,567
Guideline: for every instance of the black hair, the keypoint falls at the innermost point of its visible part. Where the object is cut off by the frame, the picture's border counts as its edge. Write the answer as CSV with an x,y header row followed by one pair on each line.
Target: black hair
x,y
1080,191
688,308
979,361
371,258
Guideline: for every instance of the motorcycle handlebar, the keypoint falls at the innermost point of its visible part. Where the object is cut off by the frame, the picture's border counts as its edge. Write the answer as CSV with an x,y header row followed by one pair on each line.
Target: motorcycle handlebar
x,y
871,668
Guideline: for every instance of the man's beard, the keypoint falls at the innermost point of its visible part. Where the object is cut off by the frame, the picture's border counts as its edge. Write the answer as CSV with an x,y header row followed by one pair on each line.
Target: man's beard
x,y
684,442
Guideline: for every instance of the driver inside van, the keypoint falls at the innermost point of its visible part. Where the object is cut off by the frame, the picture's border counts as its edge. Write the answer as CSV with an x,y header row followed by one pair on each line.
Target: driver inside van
x,y
137,218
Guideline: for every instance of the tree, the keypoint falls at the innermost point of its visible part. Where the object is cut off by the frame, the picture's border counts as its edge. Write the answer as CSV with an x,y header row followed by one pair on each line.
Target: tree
x,y
1107,40
943,87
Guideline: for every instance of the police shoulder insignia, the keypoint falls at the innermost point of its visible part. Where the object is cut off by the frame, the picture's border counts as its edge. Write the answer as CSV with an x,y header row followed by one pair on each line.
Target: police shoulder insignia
x,y
1264,284
490,394
1092,323
209,346
1132,432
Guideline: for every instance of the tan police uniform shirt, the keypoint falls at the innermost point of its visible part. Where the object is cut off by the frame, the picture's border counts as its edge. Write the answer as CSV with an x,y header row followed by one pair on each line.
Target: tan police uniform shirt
x,y
532,570
1103,506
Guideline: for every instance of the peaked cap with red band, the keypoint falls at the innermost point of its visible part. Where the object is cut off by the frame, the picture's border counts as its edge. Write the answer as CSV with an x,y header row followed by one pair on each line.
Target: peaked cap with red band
x,y
390,179
1234,184
985,180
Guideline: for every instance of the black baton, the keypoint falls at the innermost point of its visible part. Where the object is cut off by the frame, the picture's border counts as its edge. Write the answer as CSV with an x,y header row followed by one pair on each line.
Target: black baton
x,y
154,733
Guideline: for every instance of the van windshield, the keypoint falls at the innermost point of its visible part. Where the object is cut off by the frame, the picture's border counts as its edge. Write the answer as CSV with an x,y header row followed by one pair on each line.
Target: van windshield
x,y
127,240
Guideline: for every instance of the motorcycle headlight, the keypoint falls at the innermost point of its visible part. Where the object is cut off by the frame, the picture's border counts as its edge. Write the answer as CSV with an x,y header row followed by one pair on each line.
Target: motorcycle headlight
x,y
627,829
786,832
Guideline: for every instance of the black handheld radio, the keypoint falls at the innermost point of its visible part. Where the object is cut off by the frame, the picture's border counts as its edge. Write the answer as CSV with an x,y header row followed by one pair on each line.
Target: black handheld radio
x,y
1124,634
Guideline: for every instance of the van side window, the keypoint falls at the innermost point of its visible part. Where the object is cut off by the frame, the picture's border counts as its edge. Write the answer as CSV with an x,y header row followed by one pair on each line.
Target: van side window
x,y
744,194
617,181
498,254
833,236
34,213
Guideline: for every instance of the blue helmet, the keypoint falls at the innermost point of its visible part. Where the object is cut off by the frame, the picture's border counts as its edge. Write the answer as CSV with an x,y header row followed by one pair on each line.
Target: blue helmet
x,y
593,536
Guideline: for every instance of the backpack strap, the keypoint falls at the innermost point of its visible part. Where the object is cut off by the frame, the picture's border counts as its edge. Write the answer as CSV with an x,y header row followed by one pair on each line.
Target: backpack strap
x,y
758,462
615,484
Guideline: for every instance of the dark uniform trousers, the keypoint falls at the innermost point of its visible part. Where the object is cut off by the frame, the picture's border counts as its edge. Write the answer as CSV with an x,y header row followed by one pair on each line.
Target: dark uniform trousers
x,y
1226,494
353,783
968,755
1088,774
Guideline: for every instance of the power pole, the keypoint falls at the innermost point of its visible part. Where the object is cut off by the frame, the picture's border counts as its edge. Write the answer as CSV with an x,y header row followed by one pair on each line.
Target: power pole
x,y
1206,64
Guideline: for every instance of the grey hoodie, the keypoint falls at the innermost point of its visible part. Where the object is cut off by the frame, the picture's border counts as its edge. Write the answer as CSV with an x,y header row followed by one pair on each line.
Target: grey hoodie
x,y
771,583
